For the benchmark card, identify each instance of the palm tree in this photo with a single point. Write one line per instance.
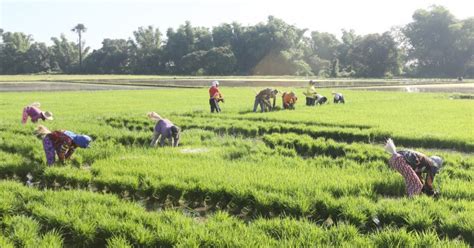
(79, 29)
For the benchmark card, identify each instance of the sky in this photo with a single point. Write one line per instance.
(44, 19)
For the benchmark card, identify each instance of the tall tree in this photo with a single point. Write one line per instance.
(65, 54)
(13, 52)
(146, 51)
(375, 55)
(440, 45)
(79, 29)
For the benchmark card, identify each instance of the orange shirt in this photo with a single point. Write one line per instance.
(289, 98)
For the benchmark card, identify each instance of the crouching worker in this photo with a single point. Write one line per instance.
(310, 94)
(289, 100)
(411, 165)
(34, 112)
(164, 129)
(63, 143)
(338, 98)
(320, 99)
(215, 97)
(263, 99)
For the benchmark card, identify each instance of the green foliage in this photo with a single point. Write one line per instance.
(317, 176)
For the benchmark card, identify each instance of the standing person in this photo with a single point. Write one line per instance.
(164, 129)
(263, 99)
(63, 143)
(215, 97)
(338, 98)
(34, 112)
(320, 99)
(411, 165)
(289, 100)
(310, 93)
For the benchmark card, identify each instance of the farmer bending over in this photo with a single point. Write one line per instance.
(310, 93)
(289, 100)
(338, 98)
(320, 99)
(263, 99)
(32, 111)
(215, 97)
(411, 165)
(63, 143)
(164, 129)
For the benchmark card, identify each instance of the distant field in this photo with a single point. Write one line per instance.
(230, 81)
(314, 176)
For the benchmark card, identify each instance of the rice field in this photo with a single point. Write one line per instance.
(314, 176)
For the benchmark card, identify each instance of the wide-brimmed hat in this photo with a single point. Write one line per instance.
(48, 115)
(154, 116)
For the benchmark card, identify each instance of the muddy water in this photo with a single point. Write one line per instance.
(463, 88)
(467, 88)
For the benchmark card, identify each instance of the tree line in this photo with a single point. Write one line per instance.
(434, 44)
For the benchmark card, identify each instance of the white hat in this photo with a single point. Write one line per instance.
(438, 163)
(48, 115)
(154, 116)
(215, 83)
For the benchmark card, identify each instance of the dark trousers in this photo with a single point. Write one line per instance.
(322, 100)
(214, 105)
(310, 101)
(340, 100)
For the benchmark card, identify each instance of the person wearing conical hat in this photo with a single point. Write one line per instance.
(412, 165)
(61, 143)
(34, 112)
(164, 129)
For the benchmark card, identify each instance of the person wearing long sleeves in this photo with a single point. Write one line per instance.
(61, 143)
(263, 99)
(310, 93)
(215, 97)
(164, 130)
(35, 114)
(289, 100)
(338, 97)
(412, 165)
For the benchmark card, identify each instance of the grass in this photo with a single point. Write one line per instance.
(316, 176)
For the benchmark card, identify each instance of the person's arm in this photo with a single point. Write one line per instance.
(62, 151)
(24, 117)
(428, 182)
(70, 152)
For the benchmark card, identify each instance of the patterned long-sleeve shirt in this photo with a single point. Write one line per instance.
(34, 113)
(63, 144)
(420, 163)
